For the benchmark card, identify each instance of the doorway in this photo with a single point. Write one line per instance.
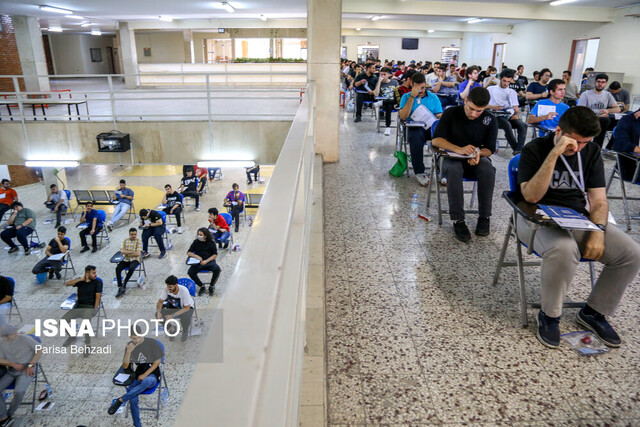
(110, 63)
(217, 50)
(367, 51)
(499, 50)
(584, 53)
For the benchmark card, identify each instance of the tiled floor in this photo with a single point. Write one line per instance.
(418, 335)
(82, 388)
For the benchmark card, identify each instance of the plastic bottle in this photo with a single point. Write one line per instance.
(414, 206)
(250, 221)
(164, 396)
(49, 391)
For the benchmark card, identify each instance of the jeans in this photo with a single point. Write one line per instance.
(8, 234)
(508, 127)
(417, 137)
(94, 236)
(61, 209)
(22, 381)
(484, 172)
(157, 233)
(45, 265)
(255, 171)
(561, 252)
(82, 312)
(4, 311)
(177, 212)
(360, 98)
(221, 236)
(235, 211)
(211, 266)
(133, 391)
(193, 194)
(119, 210)
(131, 266)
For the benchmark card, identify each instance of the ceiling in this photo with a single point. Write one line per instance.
(104, 14)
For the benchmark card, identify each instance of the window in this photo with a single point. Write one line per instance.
(253, 48)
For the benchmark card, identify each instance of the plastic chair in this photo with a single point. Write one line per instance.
(39, 378)
(171, 218)
(104, 233)
(155, 388)
(165, 236)
(512, 231)
(71, 301)
(53, 214)
(229, 219)
(215, 173)
(616, 174)
(191, 287)
(13, 302)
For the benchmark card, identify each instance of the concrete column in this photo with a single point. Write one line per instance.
(49, 177)
(187, 37)
(129, 55)
(324, 25)
(31, 51)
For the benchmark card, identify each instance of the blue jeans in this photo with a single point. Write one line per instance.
(119, 210)
(221, 236)
(157, 233)
(133, 391)
(4, 311)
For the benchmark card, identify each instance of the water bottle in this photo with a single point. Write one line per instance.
(250, 221)
(414, 206)
(49, 391)
(164, 396)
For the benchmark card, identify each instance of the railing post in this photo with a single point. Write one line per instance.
(208, 88)
(113, 102)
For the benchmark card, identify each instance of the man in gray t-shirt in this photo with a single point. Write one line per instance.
(385, 88)
(602, 103)
(18, 353)
(622, 96)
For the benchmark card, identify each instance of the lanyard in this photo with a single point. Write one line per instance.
(579, 182)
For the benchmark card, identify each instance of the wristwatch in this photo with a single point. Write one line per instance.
(602, 227)
(29, 365)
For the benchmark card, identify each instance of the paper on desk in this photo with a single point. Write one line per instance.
(121, 378)
(367, 88)
(619, 116)
(193, 261)
(454, 155)
(543, 110)
(422, 114)
(49, 405)
(568, 218)
(56, 257)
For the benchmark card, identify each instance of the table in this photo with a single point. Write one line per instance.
(46, 101)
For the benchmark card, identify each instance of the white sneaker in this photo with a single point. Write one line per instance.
(387, 132)
(179, 230)
(423, 179)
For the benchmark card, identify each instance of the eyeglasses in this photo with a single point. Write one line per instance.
(546, 75)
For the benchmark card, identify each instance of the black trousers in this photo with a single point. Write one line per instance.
(131, 265)
(61, 209)
(509, 126)
(360, 98)
(484, 172)
(235, 211)
(184, 318)
(3, 208)
(82, 312)
(45, 264)
(211, 266)
(177, 212)
(604, 126)
(387, 107)
(193, 194)
(84, 233)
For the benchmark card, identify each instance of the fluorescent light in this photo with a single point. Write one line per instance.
(51, 163)
(474, 21)
(55, 29)
(74, 17)
(226, 6)
(375, 18)
(56, 10)
(86, 24)
(430, 31)
(560, 2)
(226, 163)
(358, 29)
(165, 18)
(96, 32)
(264, 18)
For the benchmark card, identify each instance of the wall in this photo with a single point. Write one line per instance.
(166, 47)
(548, 44)
(22, 175)
(71, 53)
(9, 58)
(429, 48)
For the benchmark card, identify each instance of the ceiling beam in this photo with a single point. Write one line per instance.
(424, 26)
(217, 23)
(480, 10)
(402, 33)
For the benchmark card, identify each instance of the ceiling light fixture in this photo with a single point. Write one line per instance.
(165, 18)
(264, 18)
(51, 163)
(55, 29)
(474, 21)
(430, 31)
(226, 163)
(358, 29)
(375, 18)
(96, 32)
(74, 17)
(561, 2)
(226, 6)
(86, 24)
(56, 10)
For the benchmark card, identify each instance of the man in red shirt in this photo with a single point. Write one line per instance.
(219, 228)
(7, 196)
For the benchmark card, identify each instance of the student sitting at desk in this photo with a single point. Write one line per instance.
(90, 216)
(172, 201)
(203, 250)
(547, 112)
(57, 202)
(506, 108)
(189, 187)
(386, 88)
(123, 198)
(565, 169)
(626, 139)
(131, 249)
(21, 223)
(364, 84)
(87, 302)
(56, 246)
(235, 203)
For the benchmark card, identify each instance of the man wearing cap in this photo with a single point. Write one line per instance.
(18, 354)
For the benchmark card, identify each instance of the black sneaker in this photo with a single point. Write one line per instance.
(357, 119)
(94, 249)
(226, 245)
(13, 250)
(237, 228)
(220, 245)
(58, 276)
(162, 254)
(84, 249)
(184, 337)
(202, 291)
(483, 227)
(27, 251)
(114, 406)
(51, 274)
(56, 226)
(211, 289)
(121, 292)
(597, 324)
(461, 231)
(548, 332)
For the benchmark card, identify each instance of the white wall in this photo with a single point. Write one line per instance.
(542, 44)
(4, 172)
(429, 48)
(71, 54)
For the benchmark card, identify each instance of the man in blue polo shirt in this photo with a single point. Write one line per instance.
(553, 108)
(123, 200)
(90, 216)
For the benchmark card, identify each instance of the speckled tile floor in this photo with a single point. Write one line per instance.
(82, 388)
(418, 335)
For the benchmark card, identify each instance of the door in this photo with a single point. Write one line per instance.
(584, 53)
(110, 63)
(498, 55)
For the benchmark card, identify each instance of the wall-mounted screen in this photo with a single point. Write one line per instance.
(410, 44)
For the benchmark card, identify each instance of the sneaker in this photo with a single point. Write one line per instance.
(197, 208)
(94, 249)
(69, 341)
(163, 254)
(220, 245)
(387, 132)
(357, 119)
(443, 182)
(51, 274)
(483, 227)
(114, 406)
(237, 228)
(110, 226)
(211, 289)
(27, 251)
(249, 182)
(184, 337)
(121, 292)
(597, 324)
(548, 332)
(84, 249)
(179, 230)
(226, 245)
(202, 291)
(144, 254)
(461, 231)
(56, 226)
(423, 179)
(13, 250)
(58, 275)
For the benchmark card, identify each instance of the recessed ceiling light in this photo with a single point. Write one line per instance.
(86, 24)
(264, 18)
(165, 18)
(226, 6)
(474, 21)
(55, 29)
(375, 18)
(358, 29)
(430, 31)
(560, 2)
(74, 17)
(96, 32)
(56, 10)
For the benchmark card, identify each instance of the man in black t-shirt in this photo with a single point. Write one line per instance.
(56, 246)
(152, 225)
(189, 187)
(6, 295)
(364, 84)
(173, 203)
(468, 130)
(87, 301)
(147, 354)
(565, 169)
(204, 250)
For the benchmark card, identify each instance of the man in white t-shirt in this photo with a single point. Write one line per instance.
(505, 106)
(175, 302)
(602, 103)
(58, 202)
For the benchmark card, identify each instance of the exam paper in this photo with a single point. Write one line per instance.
(543, 110)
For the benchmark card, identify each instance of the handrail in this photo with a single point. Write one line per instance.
(258, 381)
